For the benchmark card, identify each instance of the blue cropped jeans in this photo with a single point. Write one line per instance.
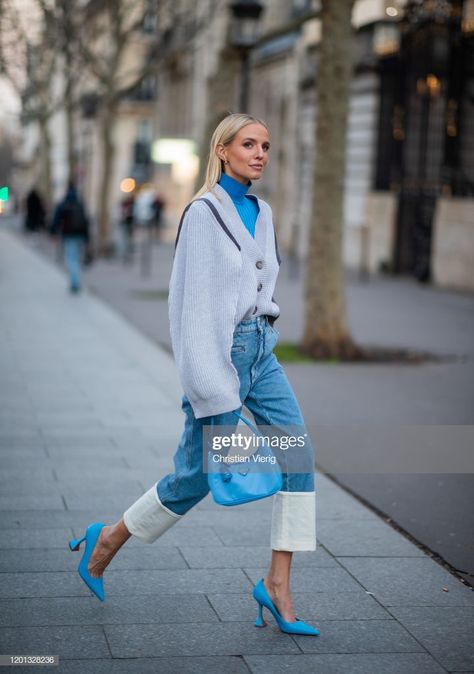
(267, 393)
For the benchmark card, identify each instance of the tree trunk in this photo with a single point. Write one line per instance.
(45, 179)
(326, 332)
(71, 156)
(108, 154)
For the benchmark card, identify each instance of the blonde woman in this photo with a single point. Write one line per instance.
(222, 313)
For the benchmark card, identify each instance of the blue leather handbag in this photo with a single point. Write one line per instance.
(240, 482)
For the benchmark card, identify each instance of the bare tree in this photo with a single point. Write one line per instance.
(28, 59)
(121, 56)
(326, 332)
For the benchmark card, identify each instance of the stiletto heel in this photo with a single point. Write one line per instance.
(262, 597)
(90, 537)
(260, 622)
(74, 545)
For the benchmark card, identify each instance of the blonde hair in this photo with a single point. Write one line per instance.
(224, 134)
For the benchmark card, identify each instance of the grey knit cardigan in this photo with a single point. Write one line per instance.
(221, 275)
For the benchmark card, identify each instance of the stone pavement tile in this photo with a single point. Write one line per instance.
(62, 435)
(29, 539)
(70, 443)
(364, 538)
(55, 584)
(47, 519)
(11, 425)
(82, 641)
(253, 508)
(311, 606)
(380, 663)
(257, 534)
(62, 416)
(59, 406)
(359, 636)
(127, 641)
(309, 580)
(228, 518)
(225, 557)
(41, 473)
(230, 664)
(180, 535)
(110, 472)
(31, 502)
(446, 632)
(408, 582)
(12, 462)
(85, 450)
(62, 559)
(107, 496)
(20, 453)
(19, 436)
(151, 608)
(175, 582)
(29, 483)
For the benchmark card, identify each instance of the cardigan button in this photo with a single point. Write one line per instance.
(259, 287)
(259, 264)
(255, 310)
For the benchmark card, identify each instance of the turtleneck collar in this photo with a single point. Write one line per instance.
(234, 189)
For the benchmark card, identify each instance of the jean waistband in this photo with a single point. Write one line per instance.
(250, 324)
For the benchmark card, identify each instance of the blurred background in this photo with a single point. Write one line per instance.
(122, 96)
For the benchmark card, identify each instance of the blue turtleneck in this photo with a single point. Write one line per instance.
(246, 205)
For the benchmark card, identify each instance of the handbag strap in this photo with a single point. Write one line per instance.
(246, 421)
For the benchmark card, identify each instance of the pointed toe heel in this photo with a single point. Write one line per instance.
(262, 598)
(96, 585)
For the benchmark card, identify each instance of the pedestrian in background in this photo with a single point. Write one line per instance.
(71, 224)
(222, 312)
(35, 216)
(127, 220)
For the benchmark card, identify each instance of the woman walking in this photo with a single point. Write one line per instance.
(222, 311)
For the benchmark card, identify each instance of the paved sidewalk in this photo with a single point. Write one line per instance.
(90, 416)
(434, 508)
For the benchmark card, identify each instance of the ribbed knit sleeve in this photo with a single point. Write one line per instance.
(204, 290)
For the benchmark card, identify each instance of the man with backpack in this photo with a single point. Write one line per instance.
(71, 223)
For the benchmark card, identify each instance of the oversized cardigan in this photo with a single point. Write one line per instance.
(221, 275)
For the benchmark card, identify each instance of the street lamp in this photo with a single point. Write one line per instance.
(244, 33)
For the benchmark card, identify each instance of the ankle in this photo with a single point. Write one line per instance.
(116, 534)
(277, 584)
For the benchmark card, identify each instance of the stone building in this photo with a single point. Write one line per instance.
(409, 172)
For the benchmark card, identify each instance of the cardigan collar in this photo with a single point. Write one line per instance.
(223, 202)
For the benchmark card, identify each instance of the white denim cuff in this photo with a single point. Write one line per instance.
(294, 521)
(148, 518)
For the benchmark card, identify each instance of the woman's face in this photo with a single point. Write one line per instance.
(247, 154)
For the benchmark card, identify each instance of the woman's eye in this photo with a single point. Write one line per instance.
(248, 144)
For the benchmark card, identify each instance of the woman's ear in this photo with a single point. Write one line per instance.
(221, 152)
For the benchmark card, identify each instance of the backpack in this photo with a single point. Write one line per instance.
(73, 221)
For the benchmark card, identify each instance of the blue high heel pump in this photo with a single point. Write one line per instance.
(262, 598)
(90, 537)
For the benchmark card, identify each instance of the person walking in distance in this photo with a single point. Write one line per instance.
(71, 223)
(222, 314)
